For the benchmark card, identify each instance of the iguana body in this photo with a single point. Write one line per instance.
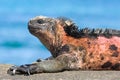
(73, 49)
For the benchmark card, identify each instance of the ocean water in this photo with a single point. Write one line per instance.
(18, 46)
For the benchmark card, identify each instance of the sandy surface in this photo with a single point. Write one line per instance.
(66, 75)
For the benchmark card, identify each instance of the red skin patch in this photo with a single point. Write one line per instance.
(98, 51)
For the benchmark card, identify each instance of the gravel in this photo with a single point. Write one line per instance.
(66, 75)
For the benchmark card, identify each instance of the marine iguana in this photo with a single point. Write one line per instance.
(72, 48)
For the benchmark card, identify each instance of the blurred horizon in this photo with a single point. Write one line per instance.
(18, 46)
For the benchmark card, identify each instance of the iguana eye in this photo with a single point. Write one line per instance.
(40, 21)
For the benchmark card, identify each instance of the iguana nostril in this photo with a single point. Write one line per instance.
(40, 21)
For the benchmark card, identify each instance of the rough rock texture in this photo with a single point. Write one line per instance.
(66, 75)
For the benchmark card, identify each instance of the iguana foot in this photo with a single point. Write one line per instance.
(26, 69)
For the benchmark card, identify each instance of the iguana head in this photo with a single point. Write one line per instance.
(43, 28)
(49, 31)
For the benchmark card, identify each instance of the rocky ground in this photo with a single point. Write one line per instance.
(66, 75)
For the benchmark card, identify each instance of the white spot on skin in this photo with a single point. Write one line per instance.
(68, 23)
(38, 17)
(14, 71)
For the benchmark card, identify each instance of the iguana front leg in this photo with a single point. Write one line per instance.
(39, 67)
(62, 62)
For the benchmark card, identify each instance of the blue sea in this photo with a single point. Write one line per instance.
(18, 46)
